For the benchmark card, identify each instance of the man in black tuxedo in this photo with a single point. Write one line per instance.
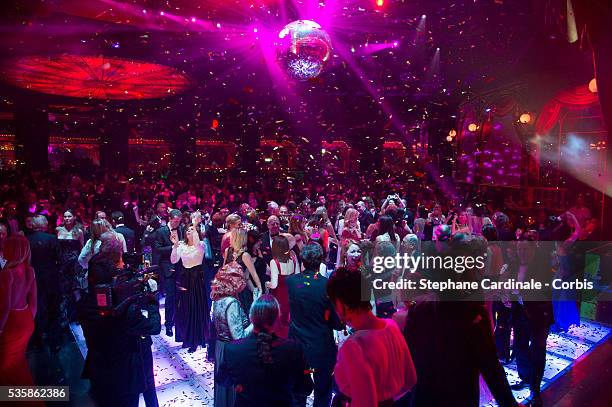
(365, 216)
(274, 226)
(128, 234)
(313, 320)
(45, 262)
(162, 248)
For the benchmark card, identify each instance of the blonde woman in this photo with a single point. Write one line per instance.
(237, 252)
(460, 224)
(349, 227)
(92, 247)
(232, 221)
(349, 255)
(118, 236)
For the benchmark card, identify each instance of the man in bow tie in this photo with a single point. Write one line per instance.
(162, 245)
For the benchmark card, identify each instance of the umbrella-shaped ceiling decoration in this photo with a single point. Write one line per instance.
(95, 77)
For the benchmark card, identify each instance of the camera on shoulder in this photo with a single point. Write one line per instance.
(126, 288)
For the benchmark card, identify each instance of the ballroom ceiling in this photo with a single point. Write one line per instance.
(403, 60)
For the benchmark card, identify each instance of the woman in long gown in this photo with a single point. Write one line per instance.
(282, 266)
(17, 311)
(231, 323)
(191, 307)
(70, 242)
(237, 252)
(254, 249)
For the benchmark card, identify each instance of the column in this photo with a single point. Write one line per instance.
(32, 136)
(114, 138)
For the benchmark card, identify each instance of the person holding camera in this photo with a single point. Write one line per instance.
(392, 200)
(119, 362)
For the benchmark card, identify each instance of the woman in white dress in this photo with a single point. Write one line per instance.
(191, 304)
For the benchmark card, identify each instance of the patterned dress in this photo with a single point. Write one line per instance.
(231, 323)
(71, 276)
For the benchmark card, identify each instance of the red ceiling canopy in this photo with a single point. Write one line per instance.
(95, 77)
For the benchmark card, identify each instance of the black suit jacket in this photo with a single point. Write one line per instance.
(129, 235)
(365, 220)
(266, 247)
(270, 385)
(162, 245)
(451, 344)
(162, 248)
(148, 239)
(44, 260)
(313, 318)
(214, 237)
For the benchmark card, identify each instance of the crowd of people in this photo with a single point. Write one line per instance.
(270, 282)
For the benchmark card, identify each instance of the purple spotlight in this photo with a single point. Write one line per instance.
(193, 19)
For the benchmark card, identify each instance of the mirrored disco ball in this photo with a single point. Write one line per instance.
(303, 49)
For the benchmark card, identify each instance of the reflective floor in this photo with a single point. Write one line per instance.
(184, 378)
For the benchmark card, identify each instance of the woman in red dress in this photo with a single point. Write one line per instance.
(17, 311)
(282, 266)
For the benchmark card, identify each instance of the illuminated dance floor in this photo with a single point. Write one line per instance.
(186, 379)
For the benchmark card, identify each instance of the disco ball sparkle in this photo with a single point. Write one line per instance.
(303, 49)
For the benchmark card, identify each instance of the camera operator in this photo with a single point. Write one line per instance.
(119, 361)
